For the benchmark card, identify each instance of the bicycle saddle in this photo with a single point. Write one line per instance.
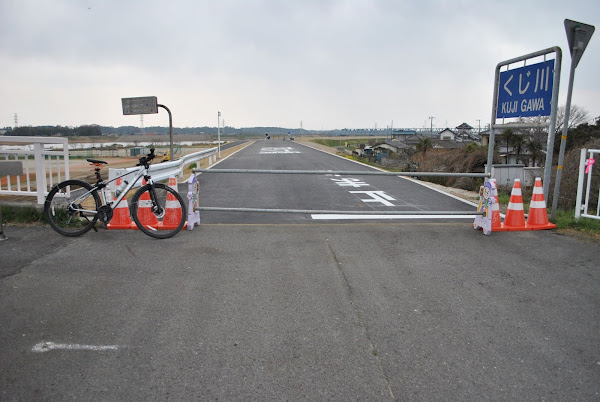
(96, 162)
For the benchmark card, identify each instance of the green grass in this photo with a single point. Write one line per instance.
(566, 220)
(22, 214)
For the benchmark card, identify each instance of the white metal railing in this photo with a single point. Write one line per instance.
(49, 166)
(586, 167)
(43, 168)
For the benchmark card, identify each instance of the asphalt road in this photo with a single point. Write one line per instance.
(309, 192)
(395, 310)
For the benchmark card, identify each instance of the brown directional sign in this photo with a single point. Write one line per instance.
(140, 105)
(578, 36)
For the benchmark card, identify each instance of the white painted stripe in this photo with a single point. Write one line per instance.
(515, 207)
(172, 204)
(366, 217)
(537, 204)
(145, 204)
(47, 346)
(516, 191)
(538, 190)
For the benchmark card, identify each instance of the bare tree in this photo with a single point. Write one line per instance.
(578, 115)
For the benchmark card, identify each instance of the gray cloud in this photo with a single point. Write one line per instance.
(328, 63)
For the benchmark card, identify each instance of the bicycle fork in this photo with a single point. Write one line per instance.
(156, 209)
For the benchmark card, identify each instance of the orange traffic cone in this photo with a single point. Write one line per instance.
(120, 219)
(144, 213)
(173, 212)
(538, 216)
(515, 216)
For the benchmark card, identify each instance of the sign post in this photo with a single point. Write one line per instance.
(528, 91)
(147, 105)
(578, 36)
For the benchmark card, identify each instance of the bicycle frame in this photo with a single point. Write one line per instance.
(101, 185)
(143, 172)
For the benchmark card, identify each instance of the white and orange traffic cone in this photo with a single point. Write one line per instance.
(120, 218)
(144, 212)
(515, 215)
(537, 219)
(173, 212)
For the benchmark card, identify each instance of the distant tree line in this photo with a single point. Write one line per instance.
(48, 131)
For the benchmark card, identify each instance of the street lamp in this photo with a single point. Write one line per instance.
(219, 133)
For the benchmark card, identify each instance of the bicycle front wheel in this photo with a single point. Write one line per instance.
(71, 207)
(159, 214)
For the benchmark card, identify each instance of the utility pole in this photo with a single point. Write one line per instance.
(431, 126)
(16, 121)
(219, 132)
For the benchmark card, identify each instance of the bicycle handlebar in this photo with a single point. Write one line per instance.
(144, 160)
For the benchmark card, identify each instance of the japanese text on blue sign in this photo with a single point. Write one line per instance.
(526, 91)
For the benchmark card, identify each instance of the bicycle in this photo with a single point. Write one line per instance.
(74, 206)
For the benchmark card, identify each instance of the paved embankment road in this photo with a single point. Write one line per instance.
(311, 192)
(407, 311)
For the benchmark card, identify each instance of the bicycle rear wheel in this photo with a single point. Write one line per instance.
(163, 220)
(71, 207)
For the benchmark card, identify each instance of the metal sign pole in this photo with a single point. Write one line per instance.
(170, 130)
(517, 101)
(552, 128)
(578, 36)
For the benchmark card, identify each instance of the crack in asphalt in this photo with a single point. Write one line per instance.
(350, 293)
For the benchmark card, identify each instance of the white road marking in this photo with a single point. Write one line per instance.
(416, 216)
(48, 346)
(278, 150)
(376, 196)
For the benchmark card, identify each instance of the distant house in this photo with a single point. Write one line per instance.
(464, 131)
(393, 146)
(400, 134)
(447, 135)
(446, 144)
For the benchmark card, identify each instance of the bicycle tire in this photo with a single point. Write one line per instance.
(59, 212)
(166, 222)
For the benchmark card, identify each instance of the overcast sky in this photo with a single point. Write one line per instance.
(326, 63)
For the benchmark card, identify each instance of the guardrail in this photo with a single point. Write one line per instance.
(50, 166)
(165, 170)
(586, 167)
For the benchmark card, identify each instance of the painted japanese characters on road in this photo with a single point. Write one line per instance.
(374, 196)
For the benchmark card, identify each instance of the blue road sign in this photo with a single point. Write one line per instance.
(526, 91)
